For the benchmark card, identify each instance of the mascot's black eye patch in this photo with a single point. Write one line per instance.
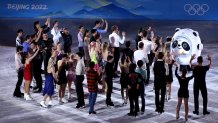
(195, 34)
(185, 46)
(175, 43)
(198, 46)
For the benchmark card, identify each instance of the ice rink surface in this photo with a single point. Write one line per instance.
(20, 111)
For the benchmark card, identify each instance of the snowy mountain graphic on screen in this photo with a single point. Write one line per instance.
(56, 14)
(108, 11)
(139, 10)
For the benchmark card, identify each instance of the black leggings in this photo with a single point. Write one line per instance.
(109, 90)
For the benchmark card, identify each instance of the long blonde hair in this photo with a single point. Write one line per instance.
(105, 46)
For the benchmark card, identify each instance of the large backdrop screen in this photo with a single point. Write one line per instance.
(111, 9)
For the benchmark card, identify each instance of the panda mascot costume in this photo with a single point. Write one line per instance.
(185, 43)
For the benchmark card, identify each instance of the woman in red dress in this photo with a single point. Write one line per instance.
(28, 74)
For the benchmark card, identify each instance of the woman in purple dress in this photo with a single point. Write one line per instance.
(71, 76)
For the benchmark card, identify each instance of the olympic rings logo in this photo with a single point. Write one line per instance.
(196, 9)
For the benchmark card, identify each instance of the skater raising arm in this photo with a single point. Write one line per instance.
(209, 59)
(190, 63)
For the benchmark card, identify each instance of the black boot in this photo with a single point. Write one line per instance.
(196, 112)
(206, 112)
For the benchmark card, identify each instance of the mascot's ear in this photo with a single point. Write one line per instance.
(200, 46)
(195, 33)
(177, 29)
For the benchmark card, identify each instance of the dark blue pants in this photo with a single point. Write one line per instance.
(142, 94)
(92, 100)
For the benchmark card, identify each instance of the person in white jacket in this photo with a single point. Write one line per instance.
(115, 41)
(56, 32)
(148, 47)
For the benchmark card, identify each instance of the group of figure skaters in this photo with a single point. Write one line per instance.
(98, 61)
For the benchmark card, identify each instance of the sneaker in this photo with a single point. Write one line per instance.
(60, 101)
(50, 103)
(28, 98)
(64, 100)
(42, 104)
(25, 96)
(69, 96)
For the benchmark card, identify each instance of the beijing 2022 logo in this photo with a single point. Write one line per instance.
(196, 9)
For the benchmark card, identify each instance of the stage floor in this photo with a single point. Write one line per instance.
(20, 111)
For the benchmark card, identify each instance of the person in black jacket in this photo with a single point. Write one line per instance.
(109, 79)
(37, 64)
(138, 37)
(46, 45)
(128, 51)
(183, 91)
(199, 72)
(67, 40)
(44, 28)
(133, 79)
(160, 73)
